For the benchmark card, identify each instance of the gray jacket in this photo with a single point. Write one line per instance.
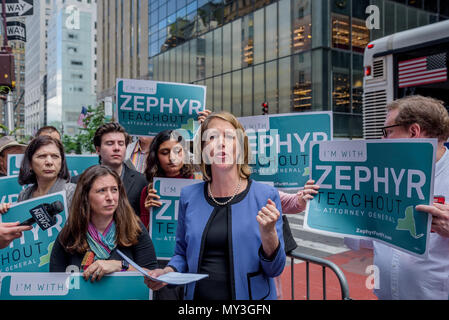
(59, 185)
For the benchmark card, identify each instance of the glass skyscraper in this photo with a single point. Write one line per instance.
(298, 55)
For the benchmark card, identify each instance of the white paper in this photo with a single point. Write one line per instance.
(175, 278)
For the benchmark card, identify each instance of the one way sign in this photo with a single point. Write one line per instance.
(16, 30)
(18, 8)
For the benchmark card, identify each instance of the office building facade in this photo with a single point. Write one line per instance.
(71, 66)
(297, 55)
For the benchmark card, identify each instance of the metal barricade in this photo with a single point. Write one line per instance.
(324, 264)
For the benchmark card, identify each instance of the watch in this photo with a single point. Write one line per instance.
(125, 265)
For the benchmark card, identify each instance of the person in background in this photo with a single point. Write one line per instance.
(137, 153)
(229, 226)
(165, 159)
(101, 221)
(110, 141)
(49, 131)
(401, 275)
(44, 168)
(8, 146)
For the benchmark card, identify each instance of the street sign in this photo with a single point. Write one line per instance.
(16, 30)
(18, 8)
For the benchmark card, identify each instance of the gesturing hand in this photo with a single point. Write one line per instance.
(267, 218)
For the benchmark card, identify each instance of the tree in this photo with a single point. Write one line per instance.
(83, 141)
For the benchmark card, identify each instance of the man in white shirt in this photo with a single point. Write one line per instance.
(401, 275)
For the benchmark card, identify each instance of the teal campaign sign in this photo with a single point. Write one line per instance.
(67, 286)
(164, 220)
(146, 107)
(369, 190)
(76, 163)
(31, 252)
(9, 189)
(280, 145)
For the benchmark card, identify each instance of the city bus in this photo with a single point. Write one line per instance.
(402, 64)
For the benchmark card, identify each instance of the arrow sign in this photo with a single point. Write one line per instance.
(18, 8)
(16, 30)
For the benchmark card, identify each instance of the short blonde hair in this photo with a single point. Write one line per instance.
(429, 113)
(242, 166)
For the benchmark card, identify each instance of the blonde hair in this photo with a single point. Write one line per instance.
(243, 159)
(429, 113)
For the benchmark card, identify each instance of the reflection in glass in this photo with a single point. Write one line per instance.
(248, 40)
(247, 92)
(302, 26)
(272, 86)
(360, 35)
(217, 94)
(341, 93)
(271, 25)
(340, 31)
(285, 28)
(227, 92)
(284, 85)
(236, 94)
(302, 86)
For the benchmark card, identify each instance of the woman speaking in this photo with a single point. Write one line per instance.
(229, 227)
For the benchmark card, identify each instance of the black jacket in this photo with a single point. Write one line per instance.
(142, 253)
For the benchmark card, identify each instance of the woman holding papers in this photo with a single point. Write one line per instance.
(44, 168)
(229, 227)
(101, 220)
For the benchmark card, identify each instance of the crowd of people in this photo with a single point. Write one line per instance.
(229, 226)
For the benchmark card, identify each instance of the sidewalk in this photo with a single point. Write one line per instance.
(352, 263)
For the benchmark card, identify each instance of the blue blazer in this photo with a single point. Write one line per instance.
(251, 273)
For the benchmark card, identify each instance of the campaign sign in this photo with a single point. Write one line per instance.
(31, 252)
(72, 286)
(147, 107)
(164, 220)
(369, 190)
(280, 145)
(75, 162)
(9, 189)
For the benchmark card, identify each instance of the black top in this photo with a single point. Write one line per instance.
(216, 256)
(142, 253)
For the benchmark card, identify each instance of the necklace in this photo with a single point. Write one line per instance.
(227, 201)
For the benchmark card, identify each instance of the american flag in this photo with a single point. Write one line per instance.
(83, 115)
(425, 70)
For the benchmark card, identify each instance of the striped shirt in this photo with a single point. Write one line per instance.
(138, 158)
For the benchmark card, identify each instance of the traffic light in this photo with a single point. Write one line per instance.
(265, 107)
(7, 78)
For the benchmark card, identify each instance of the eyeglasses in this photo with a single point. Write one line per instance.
(384, 129)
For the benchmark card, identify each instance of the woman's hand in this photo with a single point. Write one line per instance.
(152, 199)
(4, 207)
(155, 285)
(267, 218)
(10, 231)
(202, 115)
(99, 268)
(308, 193)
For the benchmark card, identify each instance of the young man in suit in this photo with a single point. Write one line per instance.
(110, 141)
